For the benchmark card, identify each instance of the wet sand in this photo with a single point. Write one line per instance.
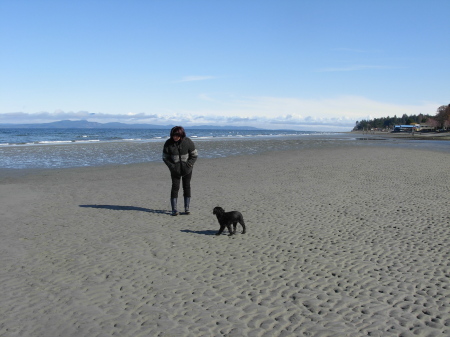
(341, 241)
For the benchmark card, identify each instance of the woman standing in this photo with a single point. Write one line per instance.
(179, 154)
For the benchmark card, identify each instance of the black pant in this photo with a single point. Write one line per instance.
(186, 186)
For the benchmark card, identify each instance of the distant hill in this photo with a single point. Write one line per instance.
(84, 124)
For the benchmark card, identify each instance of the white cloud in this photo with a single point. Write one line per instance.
(45, 117)
(355, 67)
(206, 97)
(356, 50)
(341, 107)
(195, 78)
(333, 113)
(351, 50)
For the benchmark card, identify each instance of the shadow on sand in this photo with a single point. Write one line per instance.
(206, 232)
(127, 208)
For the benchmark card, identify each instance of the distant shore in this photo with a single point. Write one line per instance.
(407, 135)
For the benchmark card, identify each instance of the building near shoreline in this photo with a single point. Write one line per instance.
(413, 128)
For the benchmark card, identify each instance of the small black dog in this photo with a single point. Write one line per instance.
(228, 218)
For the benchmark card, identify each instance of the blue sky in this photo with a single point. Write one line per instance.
(305, 65)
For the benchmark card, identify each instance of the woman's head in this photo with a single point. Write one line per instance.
(177, 132)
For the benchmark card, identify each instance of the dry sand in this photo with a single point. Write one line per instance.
(340, 242)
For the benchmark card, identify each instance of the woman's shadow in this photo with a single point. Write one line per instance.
(127, 208)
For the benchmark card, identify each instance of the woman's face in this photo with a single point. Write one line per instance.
(176, 138)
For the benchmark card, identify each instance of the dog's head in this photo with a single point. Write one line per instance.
(218, 210)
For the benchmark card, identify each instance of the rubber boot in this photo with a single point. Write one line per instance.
(187, 201)
(173, 203)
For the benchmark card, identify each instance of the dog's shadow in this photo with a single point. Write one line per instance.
(127, 208)
(205, 232)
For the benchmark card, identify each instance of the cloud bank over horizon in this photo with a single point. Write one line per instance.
(288, 121)
(339, 114)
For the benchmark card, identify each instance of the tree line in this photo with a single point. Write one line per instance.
(439, 121)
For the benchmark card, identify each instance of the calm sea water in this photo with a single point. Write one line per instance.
(63, 148)
(15, 137)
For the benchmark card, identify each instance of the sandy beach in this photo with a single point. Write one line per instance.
(341, 241)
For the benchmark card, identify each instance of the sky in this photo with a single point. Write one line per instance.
(306, 65)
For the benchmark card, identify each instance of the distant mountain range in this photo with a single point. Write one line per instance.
(84, 124)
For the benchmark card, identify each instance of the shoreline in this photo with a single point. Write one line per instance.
(19, 161)
(342, 240)
(407, 135)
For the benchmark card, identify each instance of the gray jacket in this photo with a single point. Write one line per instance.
(173, 151)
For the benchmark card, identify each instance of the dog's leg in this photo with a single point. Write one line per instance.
(222, 227)
(229, 230)
(234, 227)
(243, 226)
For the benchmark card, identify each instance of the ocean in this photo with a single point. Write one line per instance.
(64, 148)
(32, 136)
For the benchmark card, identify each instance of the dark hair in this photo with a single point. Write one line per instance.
(178, 131)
